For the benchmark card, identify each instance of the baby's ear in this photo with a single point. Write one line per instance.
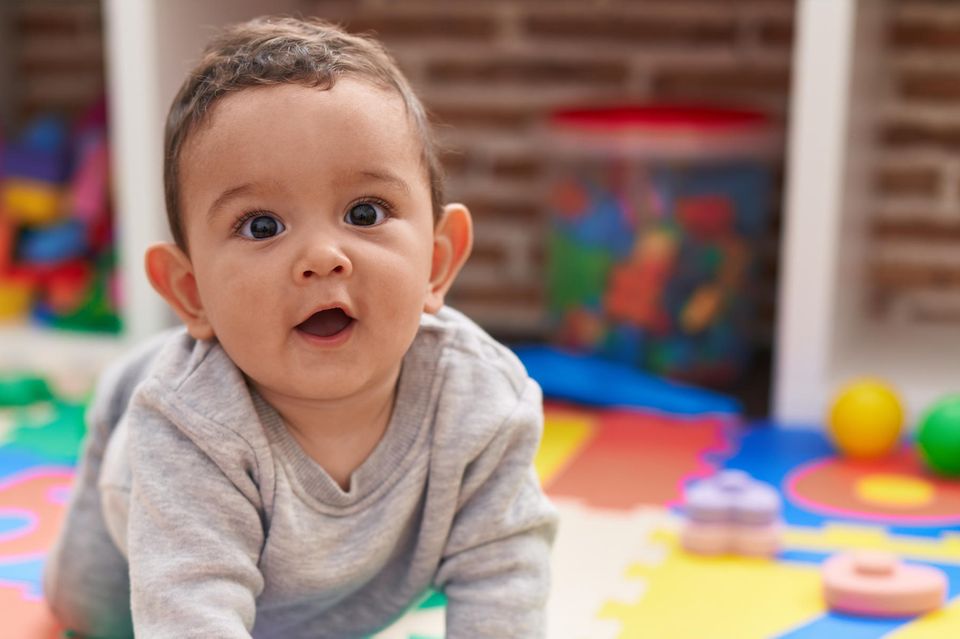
(171, 274)
(452, 241)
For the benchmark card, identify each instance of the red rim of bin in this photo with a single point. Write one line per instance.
(661, 118)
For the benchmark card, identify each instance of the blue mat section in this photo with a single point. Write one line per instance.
(27, 573)
(771, 453)
(598, 382)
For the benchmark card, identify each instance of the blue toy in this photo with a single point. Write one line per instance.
(52, 244)
(599, 382)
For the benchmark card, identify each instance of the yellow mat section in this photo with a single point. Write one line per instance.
(563, 437)
(837, 537)
(935, 625)
(741, 597)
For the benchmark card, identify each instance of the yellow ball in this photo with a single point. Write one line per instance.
(866, 419)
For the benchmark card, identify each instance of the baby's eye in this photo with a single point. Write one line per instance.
(366, 214)
(261, 227)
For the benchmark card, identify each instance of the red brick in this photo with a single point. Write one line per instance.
(538, 256)
(428, 26)
(454, 161)
(699, 82)
(935, 86)
(488, 254)
(902, 277)
(499, 117)
(52, 65)
(919, 229)
(910, 34)
(776, 33)
(529, 72)
(529, 211)
(907, 181)
(635, 30)
(518, 168)
(79, 17)
(936, 315)
(906, 134)
(505, 294)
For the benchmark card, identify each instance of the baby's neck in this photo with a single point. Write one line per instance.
(339, 435)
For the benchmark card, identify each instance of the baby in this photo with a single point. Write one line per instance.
(323, 441)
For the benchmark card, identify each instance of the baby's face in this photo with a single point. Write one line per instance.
(309, 222)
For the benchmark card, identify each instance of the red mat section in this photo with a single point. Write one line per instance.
(639, 458)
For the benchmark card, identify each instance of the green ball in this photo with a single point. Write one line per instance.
(938, 436)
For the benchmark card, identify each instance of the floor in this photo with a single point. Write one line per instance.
(616, 477)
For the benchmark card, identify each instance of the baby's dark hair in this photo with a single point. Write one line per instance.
(283, 50)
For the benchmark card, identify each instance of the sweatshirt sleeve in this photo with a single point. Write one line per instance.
(496, 566)
(194, 530)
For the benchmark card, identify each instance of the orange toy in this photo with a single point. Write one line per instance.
(878, 584)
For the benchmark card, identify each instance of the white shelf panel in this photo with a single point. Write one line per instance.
(57, 353)
(922, 364)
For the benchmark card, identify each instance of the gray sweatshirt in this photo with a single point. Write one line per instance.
(231, 530)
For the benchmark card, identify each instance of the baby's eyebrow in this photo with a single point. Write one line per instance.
(387, 176)
(226, 196)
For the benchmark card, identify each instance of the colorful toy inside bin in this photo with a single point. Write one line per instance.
(655, 213)
(57, 259)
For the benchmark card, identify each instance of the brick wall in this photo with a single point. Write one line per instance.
(490, 71)
(54, 57)
(915, 223)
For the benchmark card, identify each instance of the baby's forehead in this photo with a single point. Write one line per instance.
(351, 115)
(288, 134)
(358, 99)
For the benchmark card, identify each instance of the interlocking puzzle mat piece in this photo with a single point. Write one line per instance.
(424, 621)
(38, 447)
(895, 491)
(566, 433)
(47, 432)
(839, 536)
(636, 458)
(26, 617)
(592, 549)
(820, 487)
(617, 562)
(32, 502)
(690, 596)
(938, 625)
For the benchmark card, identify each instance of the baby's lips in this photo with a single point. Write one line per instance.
(326, 323)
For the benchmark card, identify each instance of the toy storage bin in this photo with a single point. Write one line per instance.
(654, 216)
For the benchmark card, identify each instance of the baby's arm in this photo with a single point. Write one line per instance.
(496, 566)
(194, 532)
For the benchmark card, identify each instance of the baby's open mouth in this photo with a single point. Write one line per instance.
(326, 323)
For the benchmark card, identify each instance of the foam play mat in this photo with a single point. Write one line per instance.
(616, 477)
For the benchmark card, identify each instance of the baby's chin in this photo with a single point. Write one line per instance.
(318, 385)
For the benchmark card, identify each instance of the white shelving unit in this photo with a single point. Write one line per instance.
(824, 337)
(149, 45)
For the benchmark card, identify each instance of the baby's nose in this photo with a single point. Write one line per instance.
(321, 259)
